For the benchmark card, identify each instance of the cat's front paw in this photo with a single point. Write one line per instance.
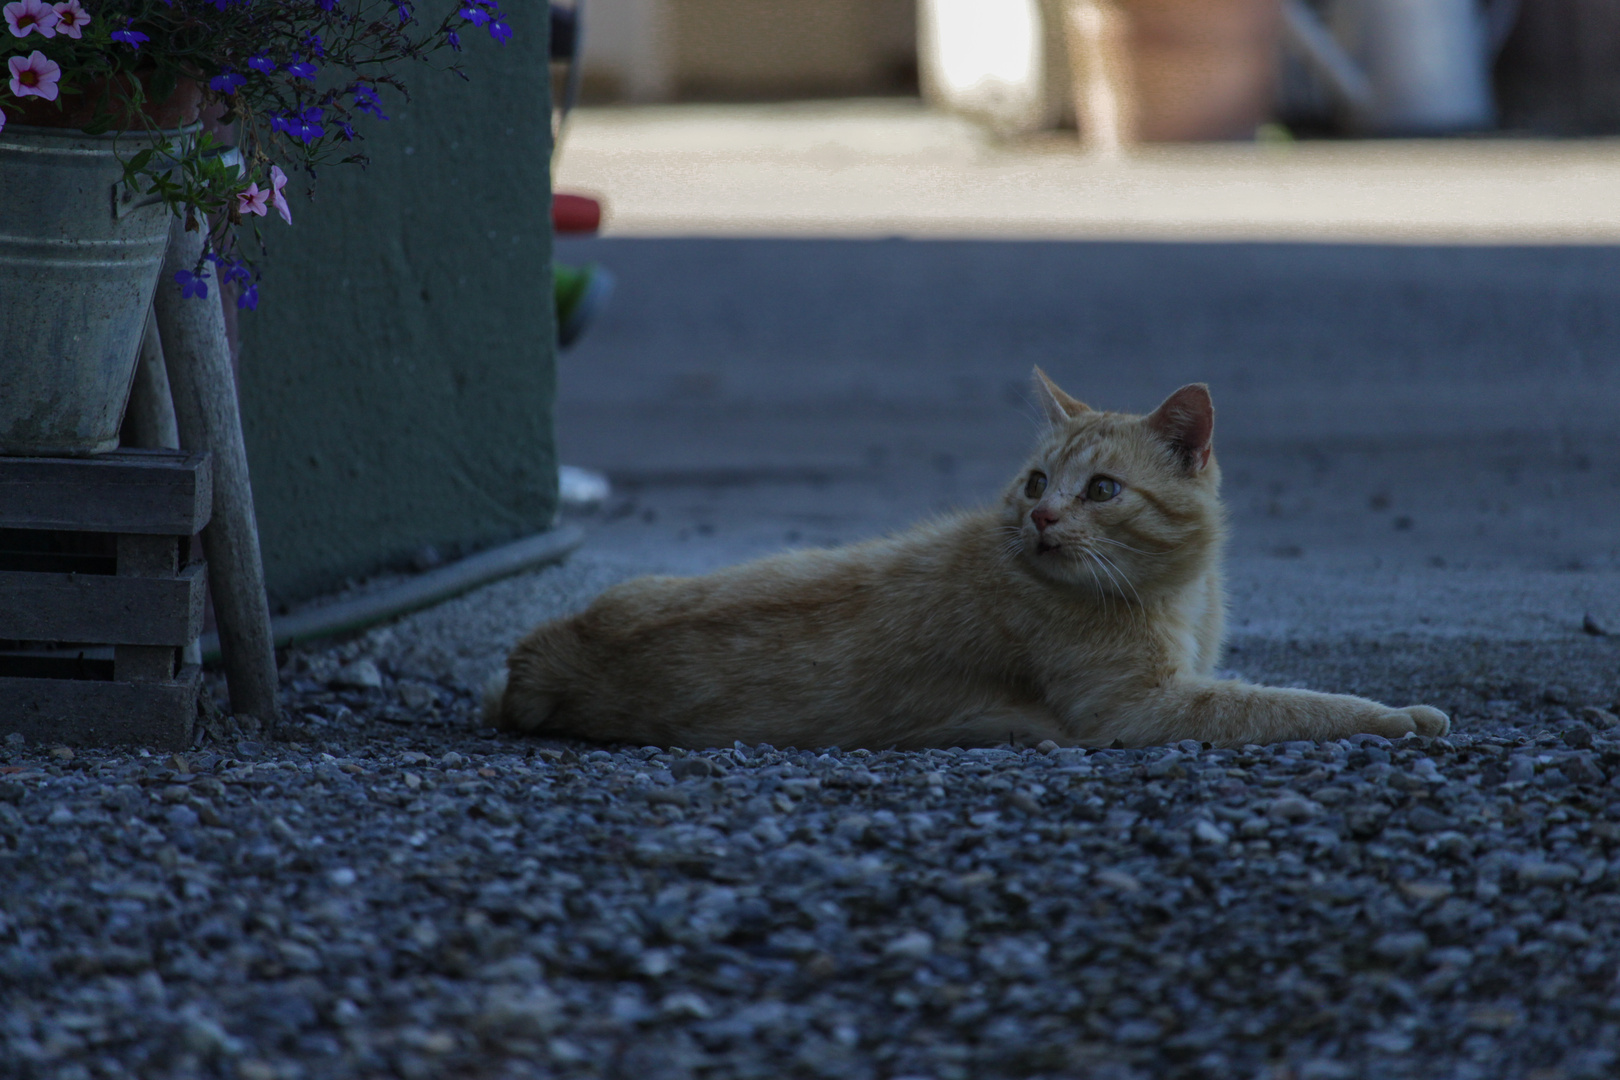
(1427, 720)
(1418, 719)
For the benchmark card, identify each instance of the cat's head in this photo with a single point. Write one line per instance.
(1124, 505)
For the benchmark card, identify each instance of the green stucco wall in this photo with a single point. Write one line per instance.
(397, 380)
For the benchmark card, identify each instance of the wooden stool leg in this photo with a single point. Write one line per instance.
(149, 421)
(199, 366)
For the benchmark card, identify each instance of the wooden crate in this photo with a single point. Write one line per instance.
(100, 593)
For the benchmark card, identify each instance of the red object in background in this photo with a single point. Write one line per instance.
(575, 214)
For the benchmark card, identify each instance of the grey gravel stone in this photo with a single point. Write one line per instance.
(390, 890)
(1536, 871)
(692, 768)
(1405, 945)
(911, 945)
(357, 675)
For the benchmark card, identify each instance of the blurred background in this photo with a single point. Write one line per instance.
(1384, 231)
(1544, 66)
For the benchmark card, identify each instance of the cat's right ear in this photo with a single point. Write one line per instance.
(1055, 404)
(1186, 420)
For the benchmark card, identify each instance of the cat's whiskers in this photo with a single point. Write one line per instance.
(1096, 581)
(1123, 576)
(1135, 614)
(1098, 573)
(1009, 548)
(1139, 551)
(1116, 593)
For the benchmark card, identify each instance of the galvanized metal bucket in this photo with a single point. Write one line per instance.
(79, 259)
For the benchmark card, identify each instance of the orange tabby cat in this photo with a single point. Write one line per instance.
(1087, 608)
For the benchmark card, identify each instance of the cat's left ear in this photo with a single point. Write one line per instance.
(1186, 421)
(1057, 405)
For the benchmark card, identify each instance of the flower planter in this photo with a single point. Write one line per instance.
(1171, 70)
(78, 264)
(1204, 68)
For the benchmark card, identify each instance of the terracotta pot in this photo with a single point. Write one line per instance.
(77, 110)
(1172, 70)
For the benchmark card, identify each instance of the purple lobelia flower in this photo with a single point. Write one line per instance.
(305, 127)
(191, 284)
(132, 38)
(302, 69)
(366, 100)
(227, 81)
(262, 63)
(499, 29)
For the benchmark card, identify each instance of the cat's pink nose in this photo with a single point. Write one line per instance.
(1043, 516)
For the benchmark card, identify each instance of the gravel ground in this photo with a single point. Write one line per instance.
(389, 889)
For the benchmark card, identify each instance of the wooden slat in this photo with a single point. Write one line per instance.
(146, 557)
(157, 492)
(102, 608)
(159, 715)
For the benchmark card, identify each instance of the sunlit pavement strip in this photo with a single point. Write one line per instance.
(874, 168)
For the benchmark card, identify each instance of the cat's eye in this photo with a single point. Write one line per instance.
(1036, 485)
(1101, 489)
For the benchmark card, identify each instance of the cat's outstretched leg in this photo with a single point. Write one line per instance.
(541, 666)
(1230, 713)
(523, 713)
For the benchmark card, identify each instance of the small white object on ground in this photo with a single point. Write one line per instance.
(581, 487)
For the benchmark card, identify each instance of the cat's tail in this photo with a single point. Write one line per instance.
(524, 697)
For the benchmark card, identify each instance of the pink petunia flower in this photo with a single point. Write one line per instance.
(71, 19)
(35, 76)
(253, 200)
(28, 16)
(278, 180)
